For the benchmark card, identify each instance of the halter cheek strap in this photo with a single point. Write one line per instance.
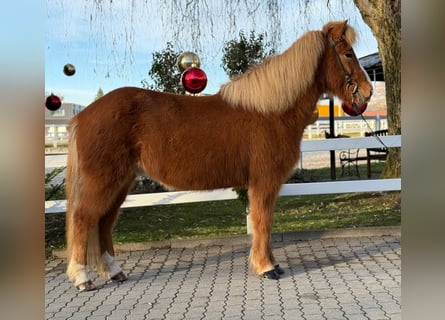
(349, 81)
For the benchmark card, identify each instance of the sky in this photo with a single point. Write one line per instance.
(111, 42)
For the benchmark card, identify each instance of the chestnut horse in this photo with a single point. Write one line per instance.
(247, 135)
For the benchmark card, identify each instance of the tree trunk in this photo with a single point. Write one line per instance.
(384, 19)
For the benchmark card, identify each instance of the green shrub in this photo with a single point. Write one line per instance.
(54, 191)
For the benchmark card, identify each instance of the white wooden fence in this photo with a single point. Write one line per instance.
(346, 125)
(152, 199)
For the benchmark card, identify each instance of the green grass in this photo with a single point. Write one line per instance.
(321, 212)
(191, 220)
(60, 145)
(222, 218)
(315, 212)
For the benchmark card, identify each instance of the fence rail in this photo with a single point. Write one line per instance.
(346, 125)
(152, 199)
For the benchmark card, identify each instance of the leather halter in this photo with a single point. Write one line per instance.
(349, 81)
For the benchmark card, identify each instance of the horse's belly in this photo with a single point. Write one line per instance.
(199, 171)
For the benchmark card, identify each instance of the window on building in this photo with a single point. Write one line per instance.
(77, 108)
(58, 113)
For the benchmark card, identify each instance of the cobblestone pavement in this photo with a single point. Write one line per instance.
(339, 278)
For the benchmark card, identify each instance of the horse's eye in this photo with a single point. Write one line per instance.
(349, 55)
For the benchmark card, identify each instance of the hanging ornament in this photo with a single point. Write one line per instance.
(194, 80)
(69, 69)
(188, 59)
(53, 102)
(353, 111)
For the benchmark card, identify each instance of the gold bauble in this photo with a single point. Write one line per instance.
(69, 69)
(188, 59)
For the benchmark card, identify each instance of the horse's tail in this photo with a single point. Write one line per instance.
(73, 194)
(72, 189)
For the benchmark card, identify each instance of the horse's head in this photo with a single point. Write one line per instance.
(345, 77)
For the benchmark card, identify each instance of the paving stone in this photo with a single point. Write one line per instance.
(138, 312)
(313, 316)
(178, 316)
(395, 316)
(357, 317)
(118, 315)
(312, 308)
(375, 313)
(233, 311)
(334, 314)
(392, 310)
(93, 318)
(351, 308)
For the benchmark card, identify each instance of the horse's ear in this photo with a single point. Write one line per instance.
(335, 30)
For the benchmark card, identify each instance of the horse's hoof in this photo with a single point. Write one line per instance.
(120, 277)
(278, 269)
(271, 274)
(86, 286)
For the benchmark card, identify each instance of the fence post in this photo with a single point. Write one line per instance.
(56, 135)
(248, 222)
(300, 161)
(377, 122)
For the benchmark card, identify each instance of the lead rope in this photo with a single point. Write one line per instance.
(375, 136)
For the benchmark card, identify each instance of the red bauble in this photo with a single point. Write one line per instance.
(350, 110)
(53, 102)
(194, 80)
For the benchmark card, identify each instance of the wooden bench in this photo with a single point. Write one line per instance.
(352, 157)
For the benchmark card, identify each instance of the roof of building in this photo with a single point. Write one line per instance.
(373, 66)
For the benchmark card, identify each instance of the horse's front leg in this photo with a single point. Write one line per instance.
(261, 211)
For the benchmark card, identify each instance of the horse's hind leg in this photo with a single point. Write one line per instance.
(89, 226)
(80, 229)
(261, 210)
(106, 225)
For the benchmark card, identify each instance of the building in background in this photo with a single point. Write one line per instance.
(56, 122)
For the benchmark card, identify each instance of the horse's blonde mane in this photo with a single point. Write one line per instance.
(276, 83)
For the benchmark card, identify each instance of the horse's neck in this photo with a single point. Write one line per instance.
(304, 106)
